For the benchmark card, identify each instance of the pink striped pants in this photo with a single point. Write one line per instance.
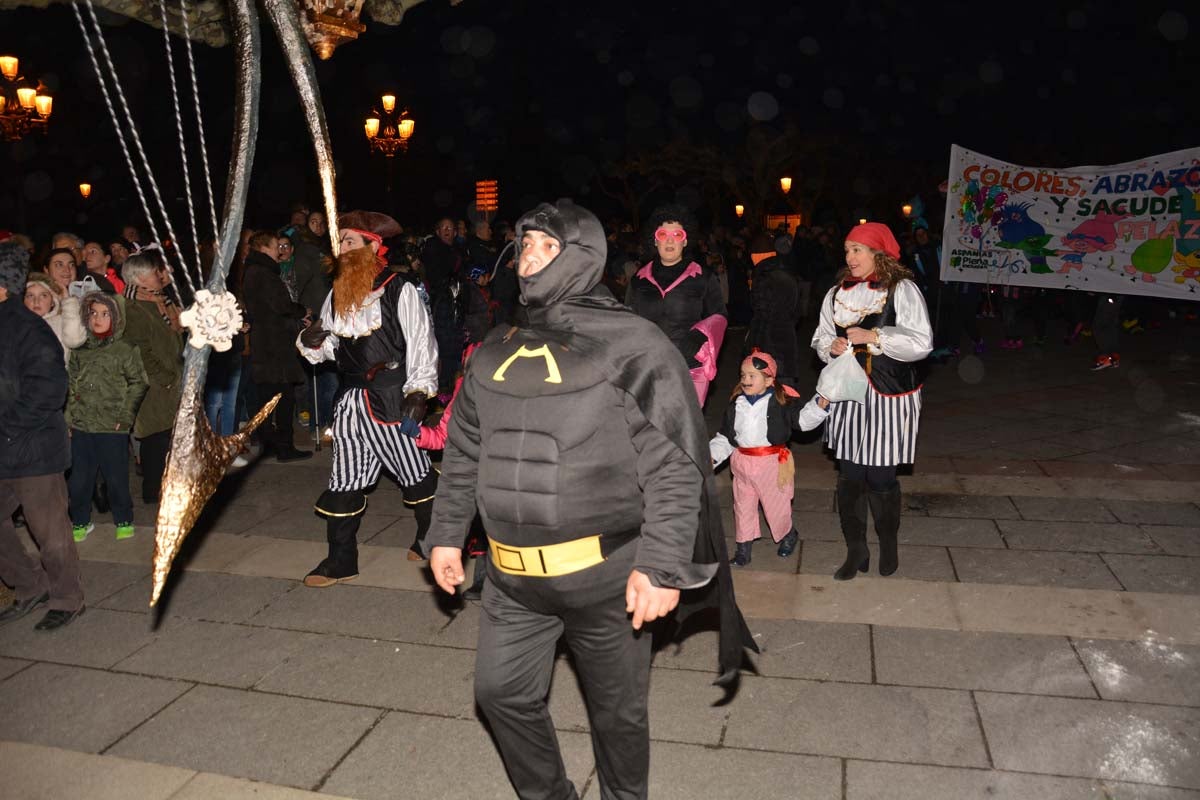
(756, 480)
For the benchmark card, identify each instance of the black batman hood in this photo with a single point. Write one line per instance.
(636, 356)
(580, 263)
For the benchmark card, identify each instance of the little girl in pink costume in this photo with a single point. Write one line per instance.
(754, 436)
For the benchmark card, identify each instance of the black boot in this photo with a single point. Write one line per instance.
(343, 511)
(424, 514)
(787, 545)
(852, 509)
(741, 556)
(885, 509)
(419, 497)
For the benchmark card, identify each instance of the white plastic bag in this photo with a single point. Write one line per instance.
(83, 287)
(843, 379)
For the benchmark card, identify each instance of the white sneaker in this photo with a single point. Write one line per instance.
(239, 461)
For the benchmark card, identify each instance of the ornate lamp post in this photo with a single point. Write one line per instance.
(739, 209)
(785, 183)
(85, 190)
(22, 107)
(389, 130)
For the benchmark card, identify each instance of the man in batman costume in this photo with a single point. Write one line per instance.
(578, 438)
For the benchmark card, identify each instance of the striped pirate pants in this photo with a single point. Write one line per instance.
(361, 447)
(882, 432)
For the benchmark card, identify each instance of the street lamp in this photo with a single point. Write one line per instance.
(389, 131)
(862, 220)
(785, 183)
(739, 209)
(22, 107)
(906, 210)
(85, 190)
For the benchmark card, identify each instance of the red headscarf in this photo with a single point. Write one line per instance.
(876, 236)
(769, 370)
(377, 239)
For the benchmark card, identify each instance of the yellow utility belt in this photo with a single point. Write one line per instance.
(549, 561)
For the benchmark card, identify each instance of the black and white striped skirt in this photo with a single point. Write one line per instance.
(879, 433)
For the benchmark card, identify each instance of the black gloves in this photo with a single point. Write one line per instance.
(312, 336)
(413, 406)
(692, 344)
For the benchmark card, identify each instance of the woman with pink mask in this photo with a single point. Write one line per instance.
(681, 297)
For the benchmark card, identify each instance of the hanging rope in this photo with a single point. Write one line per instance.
(187, 179)
(212, 206)
(137, 140)
(137, 184)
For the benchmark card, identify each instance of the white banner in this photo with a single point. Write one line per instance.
(1125, 229)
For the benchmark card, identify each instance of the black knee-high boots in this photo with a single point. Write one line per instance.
(885, 510)
(419, 497)
(852, 509)
(343, 512)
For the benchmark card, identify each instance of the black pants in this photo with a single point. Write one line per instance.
(107, 453)
(1106, 324)
(278, 429)
(878, 479)
(154, 462)
(512, 679)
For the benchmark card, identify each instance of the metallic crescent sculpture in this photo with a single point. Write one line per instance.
(198, 457)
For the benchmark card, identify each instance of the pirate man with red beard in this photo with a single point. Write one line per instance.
(375, 325)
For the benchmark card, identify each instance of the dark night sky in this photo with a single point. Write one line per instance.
(540, 95)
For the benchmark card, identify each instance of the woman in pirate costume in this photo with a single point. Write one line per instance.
(875, 308)
(375, 326)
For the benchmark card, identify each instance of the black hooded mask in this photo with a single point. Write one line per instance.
(577, 270)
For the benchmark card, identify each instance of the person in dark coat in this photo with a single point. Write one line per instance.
(506, 293)
(443, 262)
(681, 297)
(274, 367)
(776, 304)
(579, 441)
(34, 453)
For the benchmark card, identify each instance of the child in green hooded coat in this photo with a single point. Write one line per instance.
(107, 384)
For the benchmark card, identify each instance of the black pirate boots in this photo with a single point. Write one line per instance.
(343, 512)
(419, 497)
(852, 509)
(885, 510)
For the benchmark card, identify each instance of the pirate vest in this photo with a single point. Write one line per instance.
(887, 375)
(377, 362)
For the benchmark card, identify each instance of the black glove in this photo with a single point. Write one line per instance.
(312, 336)
(692, 343)
(413, 406)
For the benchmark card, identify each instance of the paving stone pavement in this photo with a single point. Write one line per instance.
(1041, 639)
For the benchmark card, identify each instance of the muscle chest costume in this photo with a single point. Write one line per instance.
(384, 348)
(577, 437)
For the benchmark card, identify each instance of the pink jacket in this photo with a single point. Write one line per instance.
(434, 437)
